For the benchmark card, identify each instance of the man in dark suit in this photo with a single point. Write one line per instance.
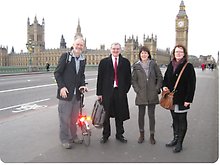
(113, 84)
(70, 78)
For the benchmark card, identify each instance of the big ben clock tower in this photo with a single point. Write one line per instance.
(182, 26)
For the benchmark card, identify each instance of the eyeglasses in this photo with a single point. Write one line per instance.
(179, 51)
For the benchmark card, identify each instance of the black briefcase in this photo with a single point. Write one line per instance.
(98, 114)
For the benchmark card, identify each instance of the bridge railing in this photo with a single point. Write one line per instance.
(18, 69)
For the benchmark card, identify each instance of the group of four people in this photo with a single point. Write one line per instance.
(113, 83)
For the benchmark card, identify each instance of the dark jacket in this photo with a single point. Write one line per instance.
(186, 87)
(147, 89)
(66, 76)
(105, 84)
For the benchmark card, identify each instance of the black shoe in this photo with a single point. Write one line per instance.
(177, 148)
(103, 140)
(172, 143)
(121, 139)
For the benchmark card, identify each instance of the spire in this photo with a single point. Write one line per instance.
(182, 11)
(182, 6)
(78, 30)
(12, 50)
(43, 22)
(62, 42)
(62, 38)
(35, 19)
(78, 27)
(28, 21)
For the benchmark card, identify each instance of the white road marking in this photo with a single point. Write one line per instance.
(92, 89)
(14, 106)
(28, 107)
(91, 79)
(33, 87)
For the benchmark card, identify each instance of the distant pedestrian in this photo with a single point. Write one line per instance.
(203, 66)
(212, 66)
(47, 66)
(183, 95)
(146, 81)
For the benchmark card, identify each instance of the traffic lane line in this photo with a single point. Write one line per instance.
(20, 89)
(33, 87)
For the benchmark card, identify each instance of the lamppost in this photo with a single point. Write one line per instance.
(30, 48)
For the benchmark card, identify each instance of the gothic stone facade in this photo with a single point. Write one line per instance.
(39, 56)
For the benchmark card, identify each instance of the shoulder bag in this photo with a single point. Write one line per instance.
(166, 100)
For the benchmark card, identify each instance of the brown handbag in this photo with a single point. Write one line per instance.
(166, 100)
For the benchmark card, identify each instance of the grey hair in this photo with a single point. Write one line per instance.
(115, 43)
(79, 38)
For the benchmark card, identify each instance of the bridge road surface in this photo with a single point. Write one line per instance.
(32, 136)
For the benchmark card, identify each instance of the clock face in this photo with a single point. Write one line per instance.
(180, 23)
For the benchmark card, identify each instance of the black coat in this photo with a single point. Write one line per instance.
(66, 76)
(186, 87)
(105, 84)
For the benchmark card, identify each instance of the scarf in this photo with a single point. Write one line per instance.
(145, 66)
(175, 64)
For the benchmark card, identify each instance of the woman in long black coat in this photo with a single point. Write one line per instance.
(114, 97)
(183, 95)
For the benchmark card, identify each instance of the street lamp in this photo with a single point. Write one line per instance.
(30, 48)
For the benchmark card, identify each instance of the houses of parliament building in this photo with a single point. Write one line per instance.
(37, 55)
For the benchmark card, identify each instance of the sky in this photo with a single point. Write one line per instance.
(108, 21)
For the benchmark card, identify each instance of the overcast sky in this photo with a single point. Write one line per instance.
(107, 21)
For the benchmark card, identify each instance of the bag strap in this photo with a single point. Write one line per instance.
(178, 79)
(68, 57)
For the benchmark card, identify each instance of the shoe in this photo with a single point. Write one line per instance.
(77, 141)
(173, 142)
(103, 140)
(152, 140)
(67, 145)
(122, 139)
(178, 147)
(141, 138)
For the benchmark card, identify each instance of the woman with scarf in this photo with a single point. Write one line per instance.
(183, 95)
(146, 80)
